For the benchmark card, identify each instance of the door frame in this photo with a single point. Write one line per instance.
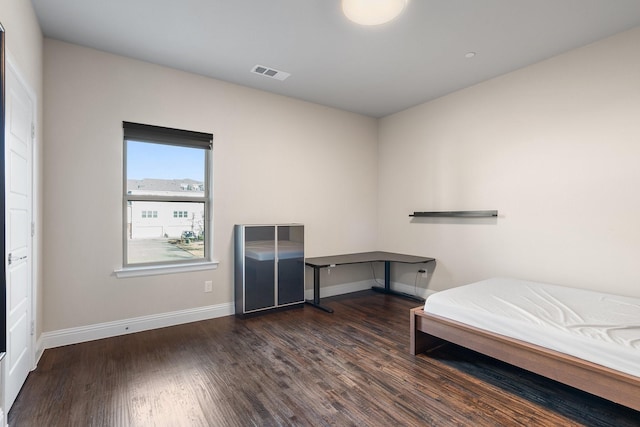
(3, 279)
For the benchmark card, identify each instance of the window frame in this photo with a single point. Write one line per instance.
(168, 136)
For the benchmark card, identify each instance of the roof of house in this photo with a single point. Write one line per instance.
(147, 185)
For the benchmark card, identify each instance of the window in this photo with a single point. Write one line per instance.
(167, 179)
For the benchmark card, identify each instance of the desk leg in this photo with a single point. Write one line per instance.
(387, 285)
(316, 292)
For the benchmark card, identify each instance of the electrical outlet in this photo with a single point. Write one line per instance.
(208, 286)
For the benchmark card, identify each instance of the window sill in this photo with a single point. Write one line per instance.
(164, 269)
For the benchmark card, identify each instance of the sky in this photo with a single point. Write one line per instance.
(145, 160)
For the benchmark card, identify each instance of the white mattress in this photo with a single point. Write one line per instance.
(263, 250)
(598, 327)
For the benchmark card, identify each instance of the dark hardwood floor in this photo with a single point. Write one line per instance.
(296, 367)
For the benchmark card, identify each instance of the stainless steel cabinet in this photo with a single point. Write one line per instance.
(269, 266)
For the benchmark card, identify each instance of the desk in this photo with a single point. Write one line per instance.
(318, 263)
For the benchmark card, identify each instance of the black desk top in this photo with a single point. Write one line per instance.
(328, 261)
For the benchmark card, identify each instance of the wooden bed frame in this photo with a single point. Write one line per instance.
(428, 331)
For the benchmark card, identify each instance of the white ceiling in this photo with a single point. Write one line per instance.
(374, 71)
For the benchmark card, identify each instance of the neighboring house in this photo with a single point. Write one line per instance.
(147, 220)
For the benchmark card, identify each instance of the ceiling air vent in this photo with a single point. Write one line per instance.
(270, 72)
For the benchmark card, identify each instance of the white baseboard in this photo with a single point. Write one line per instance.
(412, 290)
(138, 324)
(343, 288)
(346, 288)
(39, 351)
(128, 326)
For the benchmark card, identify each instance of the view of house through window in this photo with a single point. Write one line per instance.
(166, 198)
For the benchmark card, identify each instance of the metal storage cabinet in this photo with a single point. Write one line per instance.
(269, 266)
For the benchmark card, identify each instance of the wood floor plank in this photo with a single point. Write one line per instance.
(301, 367)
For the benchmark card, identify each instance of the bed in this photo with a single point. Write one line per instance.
(588, 340)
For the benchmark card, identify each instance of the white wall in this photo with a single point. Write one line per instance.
(275, 160)
(555, 147)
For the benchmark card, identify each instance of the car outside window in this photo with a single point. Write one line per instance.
(167, 196)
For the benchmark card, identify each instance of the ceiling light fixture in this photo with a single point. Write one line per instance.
(372, 12)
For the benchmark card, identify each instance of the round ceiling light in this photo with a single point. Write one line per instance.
(372, 12)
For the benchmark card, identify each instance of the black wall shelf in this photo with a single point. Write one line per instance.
(458, 214)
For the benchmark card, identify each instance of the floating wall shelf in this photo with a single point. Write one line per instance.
(459, 214)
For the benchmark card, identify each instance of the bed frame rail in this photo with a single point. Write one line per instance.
(428, 330)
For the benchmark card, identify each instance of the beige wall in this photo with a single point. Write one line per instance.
(275, 160)
(555, 147)
(23, 39)
(24, 45)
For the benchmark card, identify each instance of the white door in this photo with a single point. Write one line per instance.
(18, 146)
